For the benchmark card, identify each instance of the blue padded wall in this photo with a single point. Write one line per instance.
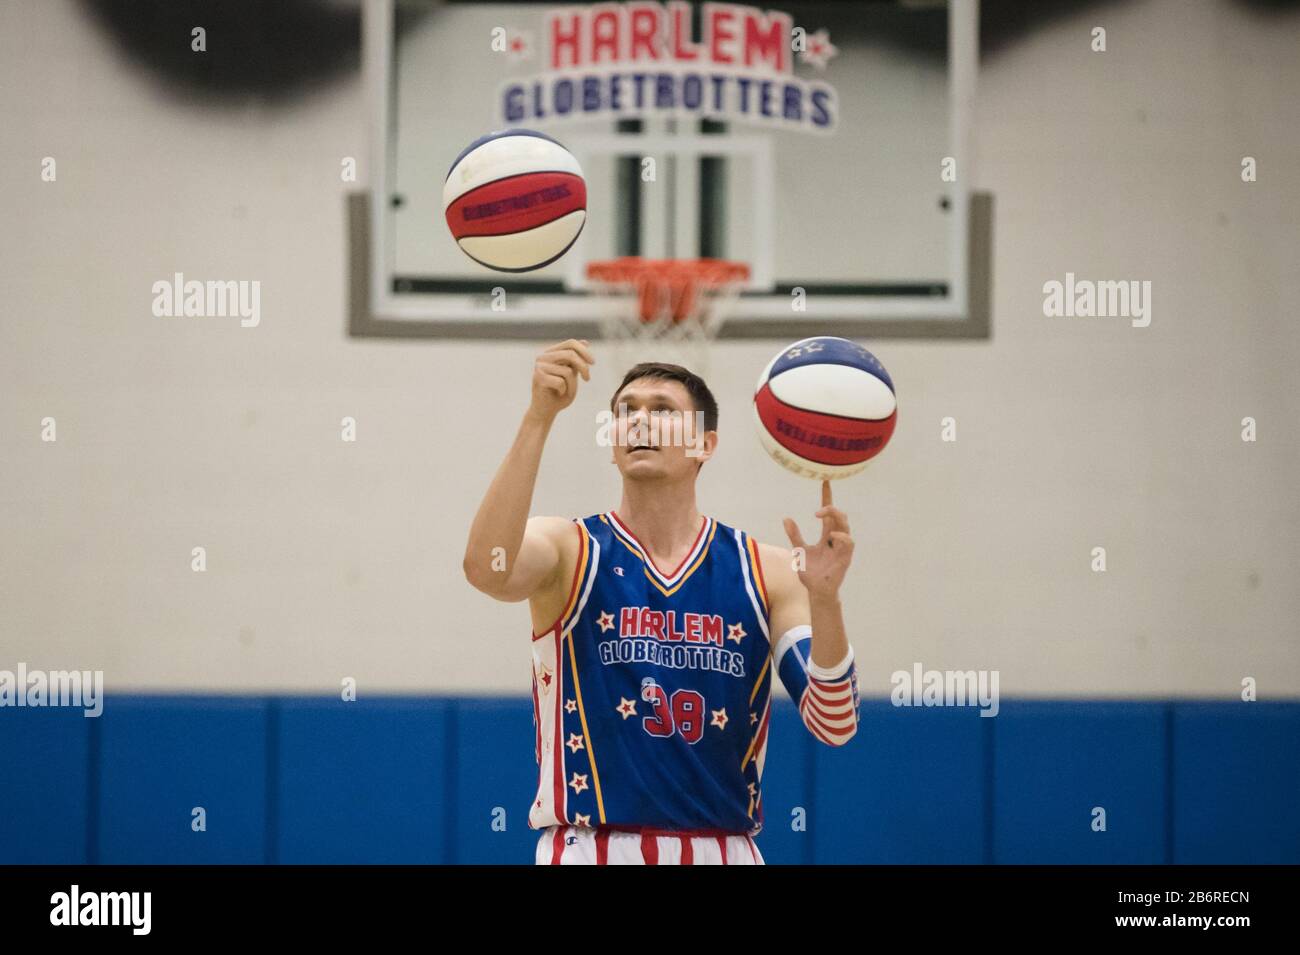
(160, 758)
(496, 777)
(362, 782)
(423, 780)
(787, 788)
(1054, 762)
(1236, 772)
(45, 785)
(910, 787)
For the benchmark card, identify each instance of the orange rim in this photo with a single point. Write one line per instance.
(668, 286)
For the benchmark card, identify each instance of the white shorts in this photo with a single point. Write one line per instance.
(580, 845)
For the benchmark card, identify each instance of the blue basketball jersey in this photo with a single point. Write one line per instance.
(651, 692)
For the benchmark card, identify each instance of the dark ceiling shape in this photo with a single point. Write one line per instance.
(268, 50)
(1004, 22)
(274, 50)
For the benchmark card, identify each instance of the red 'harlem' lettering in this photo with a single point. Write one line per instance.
(732, 36)
(670, 627)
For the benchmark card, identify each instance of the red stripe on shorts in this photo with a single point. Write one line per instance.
(650, 848)
(557, 849)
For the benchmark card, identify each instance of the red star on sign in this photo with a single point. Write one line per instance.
(626, 707)
(574, 743)
(606, 621)
(736, 631)
(578, 782)
(519, 45)
(819, 49)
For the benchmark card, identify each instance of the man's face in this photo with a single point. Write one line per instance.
(662, 435)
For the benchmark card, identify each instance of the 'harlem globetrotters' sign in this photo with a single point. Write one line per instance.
(641, 59)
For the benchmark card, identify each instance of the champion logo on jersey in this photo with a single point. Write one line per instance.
(619, 571)
(671, 582)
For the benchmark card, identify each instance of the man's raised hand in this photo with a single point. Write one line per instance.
(826, 562)
(555, 376)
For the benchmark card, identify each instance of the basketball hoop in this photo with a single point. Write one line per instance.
(666, 309)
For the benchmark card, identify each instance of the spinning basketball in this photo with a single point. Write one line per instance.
(825, 407)
(515, 200)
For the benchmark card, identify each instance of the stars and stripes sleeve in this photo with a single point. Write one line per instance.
(827, 697)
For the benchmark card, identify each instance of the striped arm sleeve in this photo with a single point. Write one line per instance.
(827, 698)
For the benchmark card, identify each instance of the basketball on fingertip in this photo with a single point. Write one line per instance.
(515, 200)
(824, 407)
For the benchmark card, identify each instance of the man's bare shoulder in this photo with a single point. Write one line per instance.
(777, 565)
(560, 537)
(787, 599)
(554, 528)
(559, 533)
(773, 552)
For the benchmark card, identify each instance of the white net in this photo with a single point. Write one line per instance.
(666, 309)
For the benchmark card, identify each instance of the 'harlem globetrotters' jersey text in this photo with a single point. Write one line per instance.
(652, 692)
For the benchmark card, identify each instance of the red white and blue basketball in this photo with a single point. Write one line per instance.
(515, 200)
(825, 407)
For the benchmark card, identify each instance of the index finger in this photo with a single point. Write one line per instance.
(826, 493)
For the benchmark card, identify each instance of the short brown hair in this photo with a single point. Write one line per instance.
(694, 384)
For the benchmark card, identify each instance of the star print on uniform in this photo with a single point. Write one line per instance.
(578, 782)
(570, 705)
(545, 676)
(580, 819)
(574, 743)
(753, 718)
(606, 621)
(719, 719)
(736, 631)
(626, 707)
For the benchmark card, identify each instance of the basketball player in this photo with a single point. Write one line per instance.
(656, 634)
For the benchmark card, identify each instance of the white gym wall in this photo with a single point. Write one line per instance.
(329, 559)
